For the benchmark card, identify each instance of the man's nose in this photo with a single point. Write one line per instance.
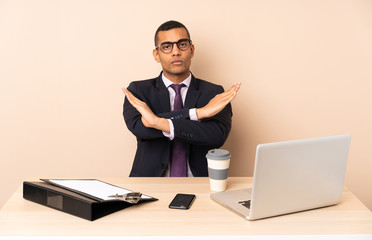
(175, 50)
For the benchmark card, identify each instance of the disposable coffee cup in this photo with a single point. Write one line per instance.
(218, 167)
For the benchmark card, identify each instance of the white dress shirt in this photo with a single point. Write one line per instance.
(192, 112)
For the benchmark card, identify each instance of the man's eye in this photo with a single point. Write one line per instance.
(166, 46)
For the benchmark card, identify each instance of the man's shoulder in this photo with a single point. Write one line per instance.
(199, 83)
(206, 85)
(145, 82)
(144, 86)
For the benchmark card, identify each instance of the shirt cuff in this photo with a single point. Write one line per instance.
(169, 135)
(192, 114)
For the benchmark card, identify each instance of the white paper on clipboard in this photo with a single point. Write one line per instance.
(93, 187)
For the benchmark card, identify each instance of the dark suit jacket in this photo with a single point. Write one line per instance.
(153, 148)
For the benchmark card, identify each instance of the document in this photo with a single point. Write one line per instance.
(92, 187)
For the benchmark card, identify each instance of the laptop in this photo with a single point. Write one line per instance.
(292, 176)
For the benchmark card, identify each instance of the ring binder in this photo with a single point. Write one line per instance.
(77, 203)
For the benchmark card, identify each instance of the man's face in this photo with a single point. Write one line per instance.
(176, 64)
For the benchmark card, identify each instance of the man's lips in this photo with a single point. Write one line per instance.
(177, 62)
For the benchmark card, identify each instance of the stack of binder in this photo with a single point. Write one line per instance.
(79, 198)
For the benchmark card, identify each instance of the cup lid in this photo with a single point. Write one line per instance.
(218, 154)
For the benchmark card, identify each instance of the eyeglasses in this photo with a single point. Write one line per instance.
(182, 44)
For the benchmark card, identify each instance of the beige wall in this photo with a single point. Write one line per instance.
(305, 68)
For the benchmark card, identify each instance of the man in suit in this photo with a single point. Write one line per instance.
(176, 117)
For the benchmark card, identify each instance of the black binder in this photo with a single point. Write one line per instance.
(71, 202)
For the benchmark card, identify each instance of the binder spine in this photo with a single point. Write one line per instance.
(58, 200)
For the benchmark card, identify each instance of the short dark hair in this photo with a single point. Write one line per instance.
(168, 26)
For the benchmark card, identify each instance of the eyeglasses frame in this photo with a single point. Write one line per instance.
(182, 39)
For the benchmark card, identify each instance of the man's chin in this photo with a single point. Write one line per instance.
(179, 72)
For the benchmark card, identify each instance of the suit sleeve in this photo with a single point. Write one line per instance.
(133, 120)
(178, 114)
(211, 131)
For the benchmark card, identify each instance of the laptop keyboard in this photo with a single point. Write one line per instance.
(246, 204)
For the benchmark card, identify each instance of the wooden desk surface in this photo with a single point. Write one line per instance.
(22, 217)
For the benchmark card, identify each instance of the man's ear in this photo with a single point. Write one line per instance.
(192, 47)
(155, 53)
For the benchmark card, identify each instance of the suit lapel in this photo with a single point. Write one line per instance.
(163, 95)
(193, 94)
(191, 100)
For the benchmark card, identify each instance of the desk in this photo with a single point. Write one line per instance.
(24, 218)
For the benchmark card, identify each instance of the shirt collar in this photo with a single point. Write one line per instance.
(168, 82)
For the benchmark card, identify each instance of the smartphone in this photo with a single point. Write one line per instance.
(182, 201)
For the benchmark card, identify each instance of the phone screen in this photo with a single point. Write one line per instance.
(182, 201)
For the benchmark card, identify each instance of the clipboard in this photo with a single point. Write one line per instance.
(99, 190)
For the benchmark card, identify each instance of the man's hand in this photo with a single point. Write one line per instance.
(218, 103)
(149, 119)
